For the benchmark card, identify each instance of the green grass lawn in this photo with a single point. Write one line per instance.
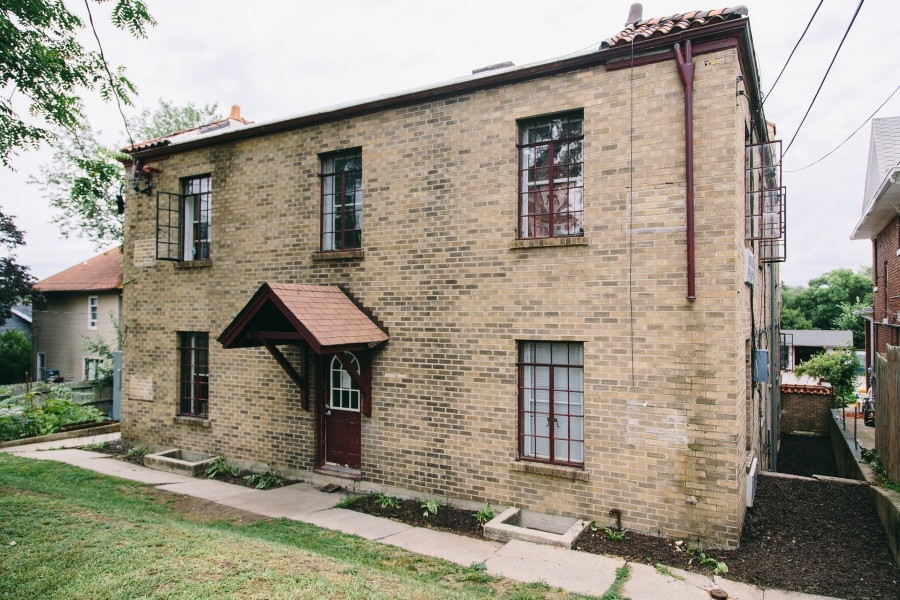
(70, 533)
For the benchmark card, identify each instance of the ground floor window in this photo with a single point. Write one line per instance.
(551, 402)
(194, 356)
(91, 369)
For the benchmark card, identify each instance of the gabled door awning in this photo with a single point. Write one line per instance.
(323, 316)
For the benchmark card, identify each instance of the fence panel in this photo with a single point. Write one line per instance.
(887, 410)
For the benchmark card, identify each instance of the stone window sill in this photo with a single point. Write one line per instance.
(570, 473)
(339, 255)
(192, 421)
(549, 242)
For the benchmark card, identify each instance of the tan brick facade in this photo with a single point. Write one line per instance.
(670, 423)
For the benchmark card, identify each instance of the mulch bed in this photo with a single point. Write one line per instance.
(816, 537)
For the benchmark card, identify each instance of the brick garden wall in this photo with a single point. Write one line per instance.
(806, 408)
(668, 434)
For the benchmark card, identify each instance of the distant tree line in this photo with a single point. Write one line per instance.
(830, 301)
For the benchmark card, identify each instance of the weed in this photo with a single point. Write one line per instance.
(348, 501)
(664, 570)
(615, 590)
(265, 480)
(220, 467)
(430, 507)
(719, 567)
(614, 535)
(136, 451)
(476, 573)
(385, 501)
(96, 446)
(485, 514)
(881, 477)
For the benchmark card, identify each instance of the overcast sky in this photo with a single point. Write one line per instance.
(281, 58)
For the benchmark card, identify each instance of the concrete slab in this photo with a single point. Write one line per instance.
(646, 583)
(67, 443)
(100, 463)
(354, 523)
(455, 548)
(568, 569)
(784, 595)
(212, 490)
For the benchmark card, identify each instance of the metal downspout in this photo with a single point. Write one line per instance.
(774, 371)
(685, 64)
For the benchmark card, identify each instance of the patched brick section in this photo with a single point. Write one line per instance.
(666, 428)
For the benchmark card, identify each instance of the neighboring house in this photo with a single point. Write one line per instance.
(880, 223)
(82, 303)
(550, 286)
(20, 320)
(799, 345)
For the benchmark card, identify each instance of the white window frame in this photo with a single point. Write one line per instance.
(90, 368)
(93, 311)
(340, 382)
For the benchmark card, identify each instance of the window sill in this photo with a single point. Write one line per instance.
(570, 473)
(193, 264)
(549, 242)
(339, 255)
(193, 421)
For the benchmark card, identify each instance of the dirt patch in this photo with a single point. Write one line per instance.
(806, 536)
(199, 510)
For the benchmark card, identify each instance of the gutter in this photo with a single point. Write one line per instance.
(685, 62)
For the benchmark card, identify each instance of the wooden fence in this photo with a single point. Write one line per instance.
(887, 410)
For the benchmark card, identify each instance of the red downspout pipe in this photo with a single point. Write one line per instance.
(686, 72)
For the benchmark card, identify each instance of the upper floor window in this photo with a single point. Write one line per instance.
(342, 200)
(184, 221)
(551, 176)
(193, 349)
(551, 402)
(93, 311)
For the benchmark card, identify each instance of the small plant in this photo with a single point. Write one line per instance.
(265, 480)
(476, 573)
(135, 451)
(881, 477)
(220, 467)
(385, 501)
(614, 534)
(348, 501)
(664, 570)
(593, 526)
(96, 446)
(719, 567)
(623, 574)
(430, 507)
(485, 514)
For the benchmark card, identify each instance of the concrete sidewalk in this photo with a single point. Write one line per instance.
(523, 561)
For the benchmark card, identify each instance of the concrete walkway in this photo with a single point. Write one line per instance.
(523, 561)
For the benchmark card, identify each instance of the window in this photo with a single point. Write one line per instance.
(342, 200)
(91, 369)
(194, 353)
(551, 402)
(93, 309)
(184, 221)
(344, 393)
(41, 364)
(551, 177)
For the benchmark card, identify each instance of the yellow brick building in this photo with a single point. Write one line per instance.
(519, 287)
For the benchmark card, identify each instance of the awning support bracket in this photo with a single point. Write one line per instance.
(298, 379)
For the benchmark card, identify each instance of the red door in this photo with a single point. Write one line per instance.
(342, 417)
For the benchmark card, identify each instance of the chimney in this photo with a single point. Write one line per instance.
(634, 14)
(235, 113)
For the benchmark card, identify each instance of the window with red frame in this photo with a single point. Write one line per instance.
(551, 176)
(193, 349)
(551, 402)
(342, 200)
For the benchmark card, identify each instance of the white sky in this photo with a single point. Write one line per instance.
(277, 58)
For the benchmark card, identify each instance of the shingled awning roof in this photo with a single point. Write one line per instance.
(100, 273)
(662, 26)
(323, 316)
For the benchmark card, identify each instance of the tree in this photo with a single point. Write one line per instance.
(85, 176)
(838, 368)
(15, 356)
(15, 280)
(44, 68)
(829, 302)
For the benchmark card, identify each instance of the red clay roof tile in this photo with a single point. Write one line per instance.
(662, 26)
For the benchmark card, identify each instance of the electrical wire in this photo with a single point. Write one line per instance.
(787, 62)
(112, 84)
(836, 148)
(824, 77)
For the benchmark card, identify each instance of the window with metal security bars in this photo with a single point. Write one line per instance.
(551, 402)
(551, 177)
(344, 393)
(184, 221)
(765, 214)
(342, 200)
(193, 350)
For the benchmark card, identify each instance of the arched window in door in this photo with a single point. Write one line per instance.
(344, 393)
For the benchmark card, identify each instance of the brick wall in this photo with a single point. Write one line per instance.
(806, 408)
(667, 432)
(886, 282)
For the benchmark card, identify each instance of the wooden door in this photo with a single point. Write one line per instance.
(342, 418)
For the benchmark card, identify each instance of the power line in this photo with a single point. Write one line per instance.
(824, 77)
(787, 62)
(896, 89)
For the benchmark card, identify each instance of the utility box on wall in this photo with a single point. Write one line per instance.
(761, 366)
